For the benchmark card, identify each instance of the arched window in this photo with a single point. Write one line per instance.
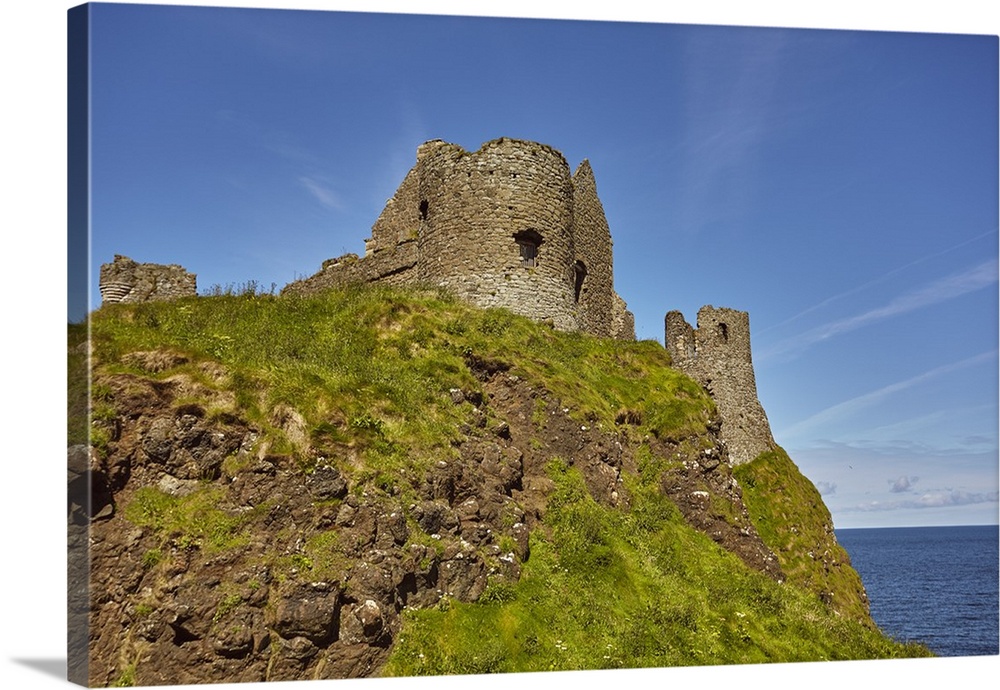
(528, 241)
(724, 332)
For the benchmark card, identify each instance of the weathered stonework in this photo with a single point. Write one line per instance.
(717, 355)
(125, 280)
(504, 226)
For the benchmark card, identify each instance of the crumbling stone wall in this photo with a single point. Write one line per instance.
(622, 320)
(394, 267)
(504, 226)
(400, 219)
(717, 355)
(593, 273)
(125, 280)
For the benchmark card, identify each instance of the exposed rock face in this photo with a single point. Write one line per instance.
(717, 355)
(293, 574)
(505, 226)
(125, 280)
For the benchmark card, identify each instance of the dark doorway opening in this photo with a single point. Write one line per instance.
(579, 274)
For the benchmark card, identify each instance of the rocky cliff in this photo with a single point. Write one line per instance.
(278, 488)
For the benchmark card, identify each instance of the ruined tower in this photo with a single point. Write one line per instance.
(717, 355)
(506, 226)
(125, 280)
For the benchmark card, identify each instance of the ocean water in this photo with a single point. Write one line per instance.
(935, 585)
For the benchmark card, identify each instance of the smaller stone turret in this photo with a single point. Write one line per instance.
(717, 355)
(125, 280)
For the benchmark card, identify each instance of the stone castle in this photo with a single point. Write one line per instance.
(505, 226)
(125, 280)
(510, 226)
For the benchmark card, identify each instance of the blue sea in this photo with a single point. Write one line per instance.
(935, 585)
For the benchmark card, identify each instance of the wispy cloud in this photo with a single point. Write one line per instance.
(979, 440)
(854, 405)
(725, 123)
(882, 278)
(321, 193)
(970, 280)
(931, 499)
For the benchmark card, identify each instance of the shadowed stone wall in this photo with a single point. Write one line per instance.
(593, 273)
(125, 280)
(717, 355)
(504, 226)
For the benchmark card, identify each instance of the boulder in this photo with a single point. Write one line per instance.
(309, 610)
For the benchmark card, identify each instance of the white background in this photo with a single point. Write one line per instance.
(32, 654)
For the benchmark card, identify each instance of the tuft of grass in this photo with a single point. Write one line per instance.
(227, 605)
(152, 558)
(194, 520)
(125, 679)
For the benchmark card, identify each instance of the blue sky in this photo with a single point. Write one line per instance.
(840, 186)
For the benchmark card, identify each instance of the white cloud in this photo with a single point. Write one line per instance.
(882, 278)
(826, 488)
(725, 125)
(324, 195)
(931, 499)
(902, 484)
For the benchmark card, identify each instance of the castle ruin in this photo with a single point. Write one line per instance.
(505, 226)
(716, 354)
(509, 226)
(125, 280)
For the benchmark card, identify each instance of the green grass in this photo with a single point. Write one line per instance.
(194, 520)
(789, 513)
(370, 367)
(126, 679)
(627, 589)
(78, 381)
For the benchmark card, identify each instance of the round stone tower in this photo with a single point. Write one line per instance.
(504, 226)
(496, 227)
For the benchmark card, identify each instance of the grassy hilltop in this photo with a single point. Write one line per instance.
(388, 482)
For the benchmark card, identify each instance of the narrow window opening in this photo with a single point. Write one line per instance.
(724, 332)
(423, 209)
(528, 242)
(579, 273)
(529, 254)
